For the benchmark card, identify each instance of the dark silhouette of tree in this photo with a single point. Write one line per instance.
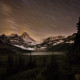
(44, 61)
(10, 65)
(74, 52)
(30, 60)
(32, 63)
(51, 72)
(76, 47)
(20, 64)
(77, 39)
(73, 55)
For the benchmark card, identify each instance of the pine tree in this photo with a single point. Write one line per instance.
(51, 71)
(74, 53)
(77, 39)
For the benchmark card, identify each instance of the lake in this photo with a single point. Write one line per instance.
(44, 53)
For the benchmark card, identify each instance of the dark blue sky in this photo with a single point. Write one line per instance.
(39, 18)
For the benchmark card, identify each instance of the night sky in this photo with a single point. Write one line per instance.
(39, 18)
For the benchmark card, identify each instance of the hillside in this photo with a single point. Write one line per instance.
(59, 43)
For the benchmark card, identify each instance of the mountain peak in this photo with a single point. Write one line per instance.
(12, 35)
(28, 39)
(3, 36)
(24, 35)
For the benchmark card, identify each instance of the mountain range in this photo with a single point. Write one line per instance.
(59, 42)
(25, 42)
(15, 39)
(59, 39)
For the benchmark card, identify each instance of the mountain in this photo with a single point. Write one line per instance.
(59, 42)
(24, 41)
(4, 38)
(6, 48)
(53, 40)
(59, 39)
(16, 39)
(28, 39)
(12, 44)
(70, 39)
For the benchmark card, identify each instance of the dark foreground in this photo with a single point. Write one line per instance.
(55, 67)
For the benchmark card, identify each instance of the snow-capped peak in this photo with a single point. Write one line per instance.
(24, 35)
(28, 39)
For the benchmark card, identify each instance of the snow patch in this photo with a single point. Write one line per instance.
(29, 41)
(22, 47)
(70, 42)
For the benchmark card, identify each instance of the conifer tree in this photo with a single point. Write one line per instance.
(77, 39)
(74, 55)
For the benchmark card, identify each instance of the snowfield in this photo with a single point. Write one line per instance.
(22, 47)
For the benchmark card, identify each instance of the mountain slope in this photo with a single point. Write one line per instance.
(59, 42)
(7, 48)
(28, 39)
(59, 39)
(16, 39)
(23, 42)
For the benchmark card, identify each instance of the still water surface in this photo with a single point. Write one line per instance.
(44, 53)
